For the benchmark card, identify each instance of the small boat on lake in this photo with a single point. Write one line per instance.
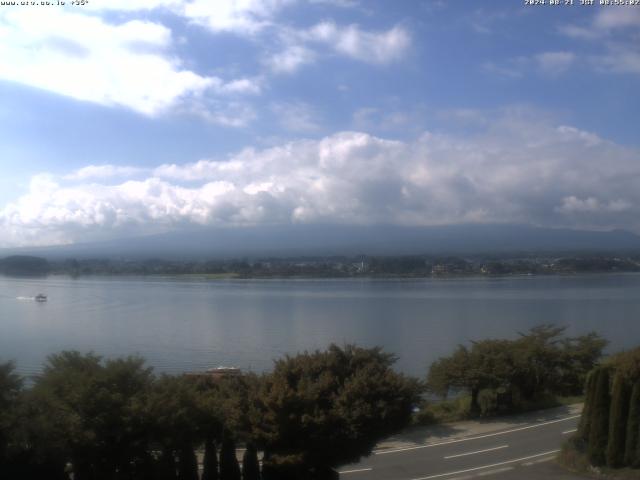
(40, 298)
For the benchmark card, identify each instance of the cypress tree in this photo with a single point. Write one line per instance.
(618, 421)
(187, 463)
(585, 419)
(210, 462)
(166, 466)
(632, 445)
(250, 465)
(229, 468)
(599, 427)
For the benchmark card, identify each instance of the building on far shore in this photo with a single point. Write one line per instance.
(216, 373)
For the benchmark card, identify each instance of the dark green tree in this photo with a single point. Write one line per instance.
(620, 396)
(210, 461)
(322, 409)
(538, 363)
(250, 464)
(579, 356)
(10, 390)
(166, 468)
(585, 419)
(187, 463)
(632, 445)
(599, 424)
(489, 364)
(229, 467)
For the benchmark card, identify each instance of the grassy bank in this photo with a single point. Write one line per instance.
(458, 409)
(573, 457)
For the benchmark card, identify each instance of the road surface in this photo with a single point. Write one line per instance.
(521, 452)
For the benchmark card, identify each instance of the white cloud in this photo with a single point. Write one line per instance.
(517, 168)
(87, 58)
(369, 46)
(237, 16)
(615, 18)
(386, 119)
(604, 22)
(572, 205)
(545, 63)
(616, 31)
(374, 47)
(290, 59)
(296, 116)
(554, 63)
(137, 5)
(619, 59)
(103, 171)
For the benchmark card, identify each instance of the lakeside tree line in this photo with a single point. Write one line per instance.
(115, 419)
(507, 375)
(334, 266)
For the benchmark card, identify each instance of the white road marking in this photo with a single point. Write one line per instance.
(499, 464)
(528, 464)
(497, 470)
(566, 432)
(356, 471)
(477, 451)
(448, 442)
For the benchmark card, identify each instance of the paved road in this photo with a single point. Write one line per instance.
(524, 451)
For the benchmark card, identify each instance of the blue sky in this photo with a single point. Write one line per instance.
(131, 117)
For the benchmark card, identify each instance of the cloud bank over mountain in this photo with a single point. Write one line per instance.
(516, 167)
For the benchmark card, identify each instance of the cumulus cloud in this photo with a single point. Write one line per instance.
(290, 59)
(616, 30)
(114, 64)
(379, 47)
(299, 47)
(517, 168)
(103, 171)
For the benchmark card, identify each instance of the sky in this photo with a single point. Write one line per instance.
(133, 117)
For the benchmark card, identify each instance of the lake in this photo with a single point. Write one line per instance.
(182, 324)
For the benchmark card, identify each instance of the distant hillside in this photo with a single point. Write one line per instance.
(347, 240)
(24, 265)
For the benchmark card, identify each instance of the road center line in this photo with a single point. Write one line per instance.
(515, 460)
(477, 451)
(448, 442)
(356, 471)
(566, 432)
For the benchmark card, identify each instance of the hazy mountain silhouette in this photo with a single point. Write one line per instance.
(345, 240)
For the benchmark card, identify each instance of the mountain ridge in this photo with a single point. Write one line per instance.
(325, 240)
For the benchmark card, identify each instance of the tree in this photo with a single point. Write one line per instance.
(229, 468)
(92, 407)
(632, 445)
(599, 428)
(10, 390)
(579, 356)
(618, 421)
(187, 463)
(585, 419)
(250, 465)
(538, 363)
(210, 461)
(323, 409)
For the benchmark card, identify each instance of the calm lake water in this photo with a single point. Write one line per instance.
(189, 324)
